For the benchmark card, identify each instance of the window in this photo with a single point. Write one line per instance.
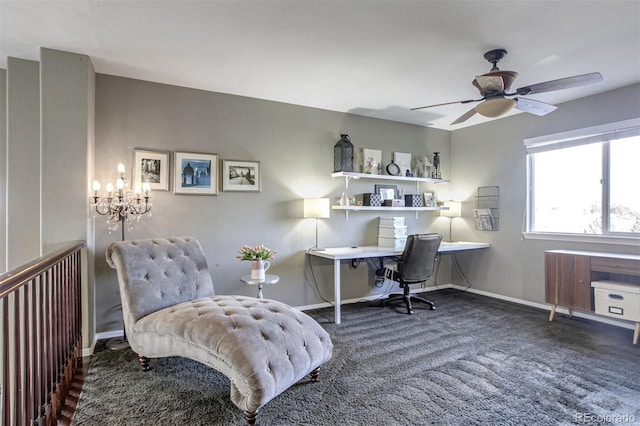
(586, 181)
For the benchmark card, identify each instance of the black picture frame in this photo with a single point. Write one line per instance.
(386, 190)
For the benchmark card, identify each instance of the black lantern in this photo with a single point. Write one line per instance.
(343, 155)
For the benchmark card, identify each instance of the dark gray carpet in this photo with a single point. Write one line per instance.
(472, 361)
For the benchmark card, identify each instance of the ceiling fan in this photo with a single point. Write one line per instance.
(495, 85)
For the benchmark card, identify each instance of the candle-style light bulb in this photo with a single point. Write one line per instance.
(120, 183)
(146, 187)
(96, 186)
(121, 168)
(109, 188)
(136, 190)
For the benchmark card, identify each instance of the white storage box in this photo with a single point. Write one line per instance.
(392, 221)
(396, 243)
(392, 232)
(617, 299)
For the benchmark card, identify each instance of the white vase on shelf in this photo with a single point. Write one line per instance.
(344, 200)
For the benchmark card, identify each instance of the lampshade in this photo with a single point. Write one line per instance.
(317, 208)
(495, 107)
(455, 209)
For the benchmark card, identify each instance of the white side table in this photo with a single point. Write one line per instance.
(268, 279)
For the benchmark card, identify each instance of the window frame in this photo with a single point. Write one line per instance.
(603, 134)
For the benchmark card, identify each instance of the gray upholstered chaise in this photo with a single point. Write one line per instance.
(169, 308)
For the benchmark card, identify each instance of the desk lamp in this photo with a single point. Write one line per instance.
(455, 210)
(316, 208)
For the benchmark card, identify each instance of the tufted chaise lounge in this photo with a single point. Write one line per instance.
(170, 309)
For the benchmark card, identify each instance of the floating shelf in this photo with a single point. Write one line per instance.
(352, 175)
(347, 209)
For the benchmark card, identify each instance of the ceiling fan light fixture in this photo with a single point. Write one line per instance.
(493, 108)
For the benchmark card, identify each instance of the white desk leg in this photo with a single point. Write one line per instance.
(336, 288)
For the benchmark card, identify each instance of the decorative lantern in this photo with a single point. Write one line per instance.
(343, 155)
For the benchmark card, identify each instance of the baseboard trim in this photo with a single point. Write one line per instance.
(89, 351)
(546, 307)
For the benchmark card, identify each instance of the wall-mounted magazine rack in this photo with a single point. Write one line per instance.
(487, 211)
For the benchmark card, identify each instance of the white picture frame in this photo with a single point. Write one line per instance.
(371, 161)
(152, 167)
(403, 160)
(195, 173)
(241, 176)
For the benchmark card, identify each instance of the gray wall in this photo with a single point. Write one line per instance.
(49, 133)
(295, 148)
(66, 87)
(3, 170)
(23, 165)
(493, 154)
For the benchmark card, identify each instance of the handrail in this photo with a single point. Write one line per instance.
(41, 336)
(11, 280)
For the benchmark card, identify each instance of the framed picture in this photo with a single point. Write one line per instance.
(429, 199)
(403, 160)
(151, 167)
(195, 173)
(241, 176)
(372, 161)
(387, 192)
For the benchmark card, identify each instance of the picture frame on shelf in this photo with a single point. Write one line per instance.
(371, 161)
(403, 160)
(241, 176)
(429, 199)
(387, 192)
(195, 173)
(152, 167)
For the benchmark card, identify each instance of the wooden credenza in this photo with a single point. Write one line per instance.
(569, 273)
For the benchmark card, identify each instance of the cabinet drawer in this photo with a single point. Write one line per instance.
(612, 265)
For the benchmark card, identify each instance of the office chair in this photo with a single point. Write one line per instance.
(416, 265)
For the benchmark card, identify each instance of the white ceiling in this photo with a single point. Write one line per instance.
(372, 58)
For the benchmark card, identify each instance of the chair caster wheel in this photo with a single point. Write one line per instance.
(379, 281)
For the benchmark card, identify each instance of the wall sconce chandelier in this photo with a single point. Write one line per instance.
(122, 206)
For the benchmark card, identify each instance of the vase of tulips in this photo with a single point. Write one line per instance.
(260, 257)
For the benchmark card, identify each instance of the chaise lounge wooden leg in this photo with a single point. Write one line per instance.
(314, 375)
(144, 362)
(250, 417)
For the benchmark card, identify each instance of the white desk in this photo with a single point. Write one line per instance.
(347, 253)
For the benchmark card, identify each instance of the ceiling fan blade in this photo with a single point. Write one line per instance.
(562, 83)
(464, 117)
(534, 107)
(447, 103)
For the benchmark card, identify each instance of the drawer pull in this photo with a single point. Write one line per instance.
(616, 296)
